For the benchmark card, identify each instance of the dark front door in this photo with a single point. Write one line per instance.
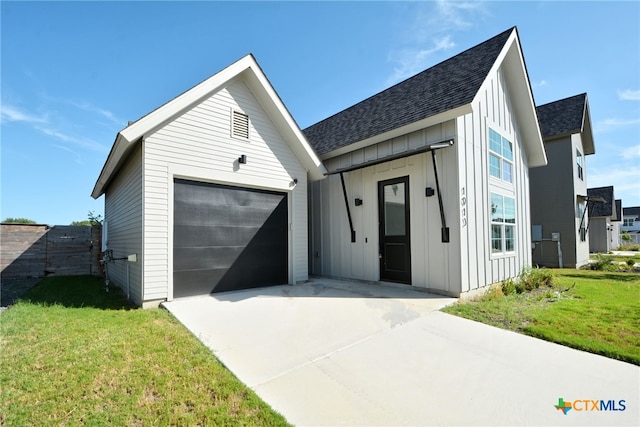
(227, 238)
(395, 248)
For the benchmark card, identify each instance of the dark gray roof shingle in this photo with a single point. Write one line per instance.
(448, 85)
(602, 209)
(635, 210)
(562, 117)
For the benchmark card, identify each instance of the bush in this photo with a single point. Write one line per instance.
(529, 279)
(629, 247)
(601, 263)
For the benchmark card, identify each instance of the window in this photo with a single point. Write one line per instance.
(239, 125)
(627, 222)
(503, 219)
(579, 161)
(500, 157)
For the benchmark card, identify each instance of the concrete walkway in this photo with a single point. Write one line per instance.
(331, 353)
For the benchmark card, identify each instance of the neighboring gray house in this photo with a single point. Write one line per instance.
(429, 180)
(604, 221)
(208, 192)
(631, 223)
(559, 189)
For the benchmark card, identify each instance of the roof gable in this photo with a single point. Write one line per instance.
(632, 211)
(246, 68)
(565, 117)
(446, 86)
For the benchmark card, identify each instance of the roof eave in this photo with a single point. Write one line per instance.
(403, 130)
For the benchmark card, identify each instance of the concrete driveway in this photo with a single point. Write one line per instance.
(331, 353)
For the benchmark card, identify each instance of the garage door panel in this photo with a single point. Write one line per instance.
(228, 238)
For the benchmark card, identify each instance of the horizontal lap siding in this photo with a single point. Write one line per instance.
(123, 215)
(199, 145)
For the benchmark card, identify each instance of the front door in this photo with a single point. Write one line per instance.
(395, 248)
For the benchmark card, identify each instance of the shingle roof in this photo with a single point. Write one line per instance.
(562, 117)
(602, 209)
(443, 87)
(635, 210)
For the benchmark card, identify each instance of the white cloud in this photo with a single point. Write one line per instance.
(413, 61)
(629, 95)
(541, 83)
(457, 14)
(78, 159)
(614, 123)
(86, 106)
(72, 139)
(631, 152)
(13, 114)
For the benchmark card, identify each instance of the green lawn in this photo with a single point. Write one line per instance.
(594, 311)
(72, 354)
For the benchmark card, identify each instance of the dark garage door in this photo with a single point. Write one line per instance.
(227, 238)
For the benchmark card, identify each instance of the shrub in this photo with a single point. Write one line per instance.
(629, 247)
(631, 262)
(508, 286)
(601, 263)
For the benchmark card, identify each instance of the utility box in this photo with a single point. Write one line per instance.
(555, 237)
(536, 233)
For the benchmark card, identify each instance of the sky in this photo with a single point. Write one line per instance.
(72, 74)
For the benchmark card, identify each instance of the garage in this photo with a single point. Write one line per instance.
(227, 238)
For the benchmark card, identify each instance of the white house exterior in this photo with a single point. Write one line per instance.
(205, 188)
(429, 180)
(604, 220)
(631, 224)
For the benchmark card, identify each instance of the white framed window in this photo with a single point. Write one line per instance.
(627, 222)
(500, 157)
(580, 163)
(581, 205)
(503, 224)
(239, 125)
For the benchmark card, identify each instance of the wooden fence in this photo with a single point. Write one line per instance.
(28, 250)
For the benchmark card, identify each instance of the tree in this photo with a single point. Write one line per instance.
(19, 221)
(92, 219)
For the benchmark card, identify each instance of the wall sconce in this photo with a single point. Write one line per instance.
(428, 192)
(242, 160)
(358, 202)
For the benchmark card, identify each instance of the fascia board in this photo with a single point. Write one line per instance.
(412, 127)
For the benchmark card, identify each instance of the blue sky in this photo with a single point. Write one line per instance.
(73, 74)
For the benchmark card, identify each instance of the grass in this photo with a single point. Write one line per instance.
(72, 354)
(594, 311)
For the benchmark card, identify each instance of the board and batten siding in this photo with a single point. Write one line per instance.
(123, 220)
(434, 265)
(197, 145)
(492, 109)
(466, 262)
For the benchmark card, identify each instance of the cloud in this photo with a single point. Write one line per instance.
(614, 123)
(14, 114)
(631, 152)
(457, 15)
(88, 107)
(413, 61)
(72, 139)
(629, 95)
(541, 83)
(78, 159)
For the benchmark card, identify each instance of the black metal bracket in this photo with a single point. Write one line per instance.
(445, 229)
(346, 203)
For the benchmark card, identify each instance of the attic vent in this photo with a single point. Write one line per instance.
(240, 125)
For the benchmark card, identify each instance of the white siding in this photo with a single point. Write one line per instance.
(198, 145)
(466, 262)
(434, 265)
(123, 214)
(480, 266)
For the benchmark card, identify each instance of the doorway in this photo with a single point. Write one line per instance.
(395, 242)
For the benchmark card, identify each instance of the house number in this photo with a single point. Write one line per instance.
(463, 204)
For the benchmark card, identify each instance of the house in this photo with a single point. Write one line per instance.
(631, 223)
(428, 180)
(208, 192)
(604, 220)
(559, 189)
